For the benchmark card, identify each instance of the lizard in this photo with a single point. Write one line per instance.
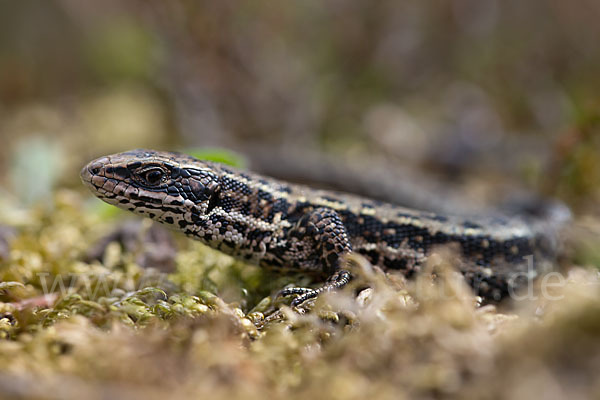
(287, 226)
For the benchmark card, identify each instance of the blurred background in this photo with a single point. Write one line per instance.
(453, 106)
(473, 91)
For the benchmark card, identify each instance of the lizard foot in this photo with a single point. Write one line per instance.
(337, 281)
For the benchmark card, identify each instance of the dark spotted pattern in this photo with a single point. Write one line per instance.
(279, 225)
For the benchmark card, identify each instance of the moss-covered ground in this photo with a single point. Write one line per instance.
(74, 326)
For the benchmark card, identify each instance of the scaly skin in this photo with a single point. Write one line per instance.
(285, 226)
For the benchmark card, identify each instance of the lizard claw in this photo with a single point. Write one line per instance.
(337, 281)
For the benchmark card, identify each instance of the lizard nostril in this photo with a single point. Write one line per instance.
(95, 169)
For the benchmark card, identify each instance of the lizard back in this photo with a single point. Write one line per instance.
(258, 219)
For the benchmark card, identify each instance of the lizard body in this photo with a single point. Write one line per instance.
(286, 226)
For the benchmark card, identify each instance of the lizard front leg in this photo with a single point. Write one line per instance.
(320, 241)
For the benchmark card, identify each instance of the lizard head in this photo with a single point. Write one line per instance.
(171, 188)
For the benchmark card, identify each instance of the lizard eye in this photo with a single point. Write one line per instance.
(153, 176)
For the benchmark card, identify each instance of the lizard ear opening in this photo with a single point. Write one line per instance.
(213, 202)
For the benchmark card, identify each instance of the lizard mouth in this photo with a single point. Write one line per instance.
(86, 175)
(91, 170)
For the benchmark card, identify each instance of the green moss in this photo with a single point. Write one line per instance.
(219, 155)
(210, 328)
